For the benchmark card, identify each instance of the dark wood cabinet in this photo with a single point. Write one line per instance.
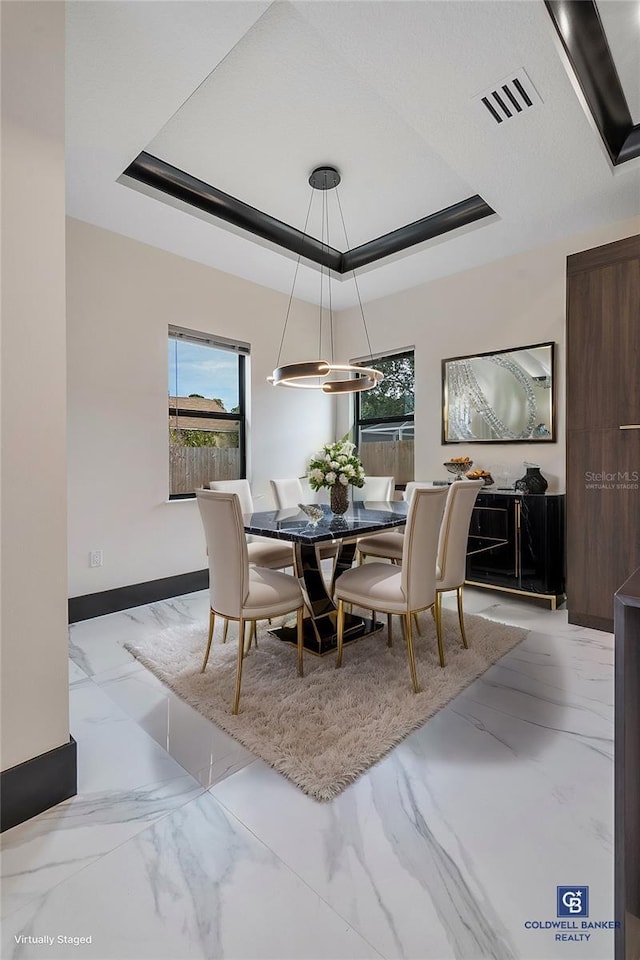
(516, 543)
(627, 769)
(603, 427)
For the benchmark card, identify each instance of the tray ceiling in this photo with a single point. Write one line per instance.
(250, 97)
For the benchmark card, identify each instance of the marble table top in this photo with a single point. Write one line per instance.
(361, 518)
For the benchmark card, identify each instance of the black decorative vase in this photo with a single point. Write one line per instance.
(532, 482)
(339, 499)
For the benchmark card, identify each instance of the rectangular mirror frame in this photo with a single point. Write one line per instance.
(446, 439)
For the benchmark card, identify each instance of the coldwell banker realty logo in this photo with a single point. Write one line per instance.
(572, 911)
(573, 901)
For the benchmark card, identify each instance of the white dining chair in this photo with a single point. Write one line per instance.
(452, 545)
(388, 546)
(237, 590)
(263, 551)
(288, 494)
(412, 485)
(379, 489)
(452, 548)
(403, 590)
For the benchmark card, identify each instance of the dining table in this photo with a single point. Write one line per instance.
(362, 517)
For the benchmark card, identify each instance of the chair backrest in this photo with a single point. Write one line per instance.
(241, 487)
(375, 488)
(415, 485)
(287, 493)
(221, 514)
(313, 496)
(420, 546)
(454, 532)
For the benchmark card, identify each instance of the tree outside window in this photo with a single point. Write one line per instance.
(385, 419)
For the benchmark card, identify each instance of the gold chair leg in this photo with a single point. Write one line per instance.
(225, 631)
(340, 632)
(412, 659)
(236, 699)
(246, 642)
(389, 629)
(461, 618)
(212, 620)
(300, 634)
(438, 617)
(415, 620)
(360, 558)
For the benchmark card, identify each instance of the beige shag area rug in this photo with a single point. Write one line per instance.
(325, 729)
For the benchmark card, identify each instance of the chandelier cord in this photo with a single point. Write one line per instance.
(322, 225)
(320, 374)
(330, 301)
(355, 279)
(293, 285)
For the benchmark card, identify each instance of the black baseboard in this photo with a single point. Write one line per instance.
(37, 784)
(135, 595)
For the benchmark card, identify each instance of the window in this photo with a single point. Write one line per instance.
(206, 411)
(384, 419)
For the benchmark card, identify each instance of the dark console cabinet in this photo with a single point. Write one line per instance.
(516, 543)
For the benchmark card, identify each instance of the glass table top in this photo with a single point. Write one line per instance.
(362, 517)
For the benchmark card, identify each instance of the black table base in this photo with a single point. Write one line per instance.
(320, 636)
(333, 538)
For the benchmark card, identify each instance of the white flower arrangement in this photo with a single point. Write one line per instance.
(336, 463)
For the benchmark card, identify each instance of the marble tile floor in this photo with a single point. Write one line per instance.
(181, 844)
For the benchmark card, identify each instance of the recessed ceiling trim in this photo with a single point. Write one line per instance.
(580, 29)
(457, 215)
(176, 183)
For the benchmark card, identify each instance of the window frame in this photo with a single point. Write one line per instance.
(242, 352)
(359, 421)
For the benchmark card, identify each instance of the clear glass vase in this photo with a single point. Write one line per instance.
(339, 498)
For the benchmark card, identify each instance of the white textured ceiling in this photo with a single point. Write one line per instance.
(256, 128)
(250, 96)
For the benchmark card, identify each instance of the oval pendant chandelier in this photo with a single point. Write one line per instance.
(321, 374)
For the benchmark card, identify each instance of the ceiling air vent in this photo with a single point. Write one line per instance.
(510, 97)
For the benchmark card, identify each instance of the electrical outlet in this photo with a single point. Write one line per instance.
(95, 558)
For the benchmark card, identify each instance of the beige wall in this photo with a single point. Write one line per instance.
(35, 714)
(121, 297)
(510, 303)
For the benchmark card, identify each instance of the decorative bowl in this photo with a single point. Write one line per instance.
(313, 510)
(482, 475)
(459, 467)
